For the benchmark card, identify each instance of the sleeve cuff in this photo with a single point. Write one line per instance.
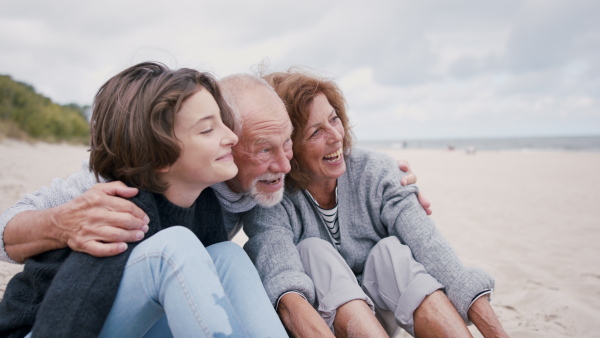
(489, 294)
(285, 293)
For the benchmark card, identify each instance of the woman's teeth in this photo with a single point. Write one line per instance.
(333, 157)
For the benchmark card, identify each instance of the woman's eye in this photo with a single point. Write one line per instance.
(206, 131)
(315, 133)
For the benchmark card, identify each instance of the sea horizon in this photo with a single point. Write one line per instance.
(590, 143)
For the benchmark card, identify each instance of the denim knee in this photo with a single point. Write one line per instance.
(175, 241)
(229, 252)
(176, 234)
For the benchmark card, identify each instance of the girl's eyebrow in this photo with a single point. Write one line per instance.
(202, 119)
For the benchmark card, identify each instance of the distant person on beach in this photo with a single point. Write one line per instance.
(346, 231)
(167, 133)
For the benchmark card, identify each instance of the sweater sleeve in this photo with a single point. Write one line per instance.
(273, 251)
(80, 296)
(59, 192)
(83, 290)
(404, 217)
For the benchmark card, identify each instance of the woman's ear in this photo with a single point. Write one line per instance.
(164, 170)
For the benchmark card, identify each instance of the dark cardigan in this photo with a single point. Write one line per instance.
(63, 293)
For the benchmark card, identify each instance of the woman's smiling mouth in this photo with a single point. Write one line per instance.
(334, 157)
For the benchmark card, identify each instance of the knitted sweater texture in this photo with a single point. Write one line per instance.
(372, 205)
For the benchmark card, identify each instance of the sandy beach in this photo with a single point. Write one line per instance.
(531, 219)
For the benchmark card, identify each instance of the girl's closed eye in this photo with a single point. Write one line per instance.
(207, 130)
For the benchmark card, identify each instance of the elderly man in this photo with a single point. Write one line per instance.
(90, 217)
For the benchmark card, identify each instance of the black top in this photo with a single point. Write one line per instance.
(63, 293)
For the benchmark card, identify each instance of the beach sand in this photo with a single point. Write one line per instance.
(531, 219)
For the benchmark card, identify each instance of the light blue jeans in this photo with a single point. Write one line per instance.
(203, 292)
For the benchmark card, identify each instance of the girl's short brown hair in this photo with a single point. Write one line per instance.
(297, 89)
(132, 122)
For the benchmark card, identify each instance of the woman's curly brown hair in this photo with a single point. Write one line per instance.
(297, 89)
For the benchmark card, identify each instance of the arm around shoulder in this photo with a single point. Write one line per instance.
(17, 231)
(97, 222)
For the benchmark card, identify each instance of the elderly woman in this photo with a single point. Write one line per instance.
(347, 230)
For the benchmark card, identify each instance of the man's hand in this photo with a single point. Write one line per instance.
(99, 222)
(411, 178)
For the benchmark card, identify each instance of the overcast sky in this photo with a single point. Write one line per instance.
(409, 69)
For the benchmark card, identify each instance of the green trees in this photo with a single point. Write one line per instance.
(37, 116)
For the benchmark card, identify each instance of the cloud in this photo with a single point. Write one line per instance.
(550, 34)
(421, 68)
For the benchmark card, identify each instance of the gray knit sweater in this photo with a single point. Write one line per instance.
(372, 205)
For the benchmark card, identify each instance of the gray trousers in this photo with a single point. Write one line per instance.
(393, 283)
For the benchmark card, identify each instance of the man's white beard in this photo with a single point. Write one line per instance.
(267, 199)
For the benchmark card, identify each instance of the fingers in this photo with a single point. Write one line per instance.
(104, 238)
(104, 197)
(424, 203)
(110, 226)
(126, 192)
(122, 226)
(409, 179)
(123, 208)
(99, 249)
(404, 166)
(115, 188)
(99, 222)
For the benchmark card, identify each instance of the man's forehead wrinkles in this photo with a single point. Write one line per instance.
(266, 129)
(261, 141)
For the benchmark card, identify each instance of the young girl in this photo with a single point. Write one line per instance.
(167, 133)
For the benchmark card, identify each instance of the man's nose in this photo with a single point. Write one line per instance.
(280, 163)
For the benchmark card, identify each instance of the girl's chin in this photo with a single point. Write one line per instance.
(228, 172)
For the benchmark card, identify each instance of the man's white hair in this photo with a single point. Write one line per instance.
(232, 87)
